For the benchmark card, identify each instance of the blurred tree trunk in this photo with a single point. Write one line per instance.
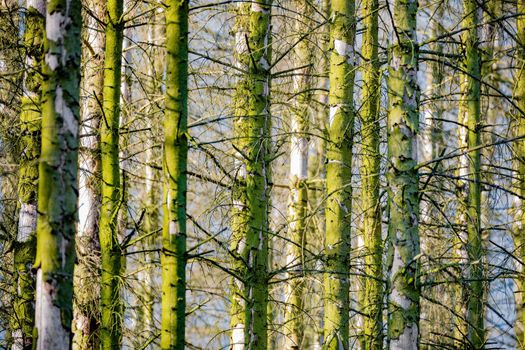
(317, 185)
(152, 194)
(57, 187)
(474, 247)
(30, 119)
(339, 175)
(86, 313)
(371, 296)
(111, 251)
(519, 238)
(402, 130)
(298, 198)
(173, 257)
(239, 208)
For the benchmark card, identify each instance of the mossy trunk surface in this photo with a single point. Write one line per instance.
(402, 129)
(173, 257)
(111, 250)
(57, 186)
(339, 176)
(239, 205)
(371, 296)
(251, 191)
(474, 247)
(24, 248)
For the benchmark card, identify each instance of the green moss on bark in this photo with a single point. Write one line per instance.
(175, 178)
(338, 176)
(371, 296)
(111, 251)
(403, 194)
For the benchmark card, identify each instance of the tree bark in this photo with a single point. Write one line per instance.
(339, 175)
(402, 130)
(173, 257)
(57, 187)
(298, 199)
(474, 245)
(251, 192)
(25, 244)
(371, 296)
(86, 312)
(111, 250)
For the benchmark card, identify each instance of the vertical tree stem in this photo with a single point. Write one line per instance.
(173, 257)
(339, 175)
(402, 130)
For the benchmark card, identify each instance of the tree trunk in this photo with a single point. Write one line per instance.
(251, 191)
(87, 276)
(152, 193)
(57, 187)
(175, 164)
(111, 254)
(25, 244)
(474, 247)
(298, 200)
(371, 296)
(339, 176)
(402, 129)
(239, 208)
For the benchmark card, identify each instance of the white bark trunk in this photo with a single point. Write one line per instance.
(52, 334)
